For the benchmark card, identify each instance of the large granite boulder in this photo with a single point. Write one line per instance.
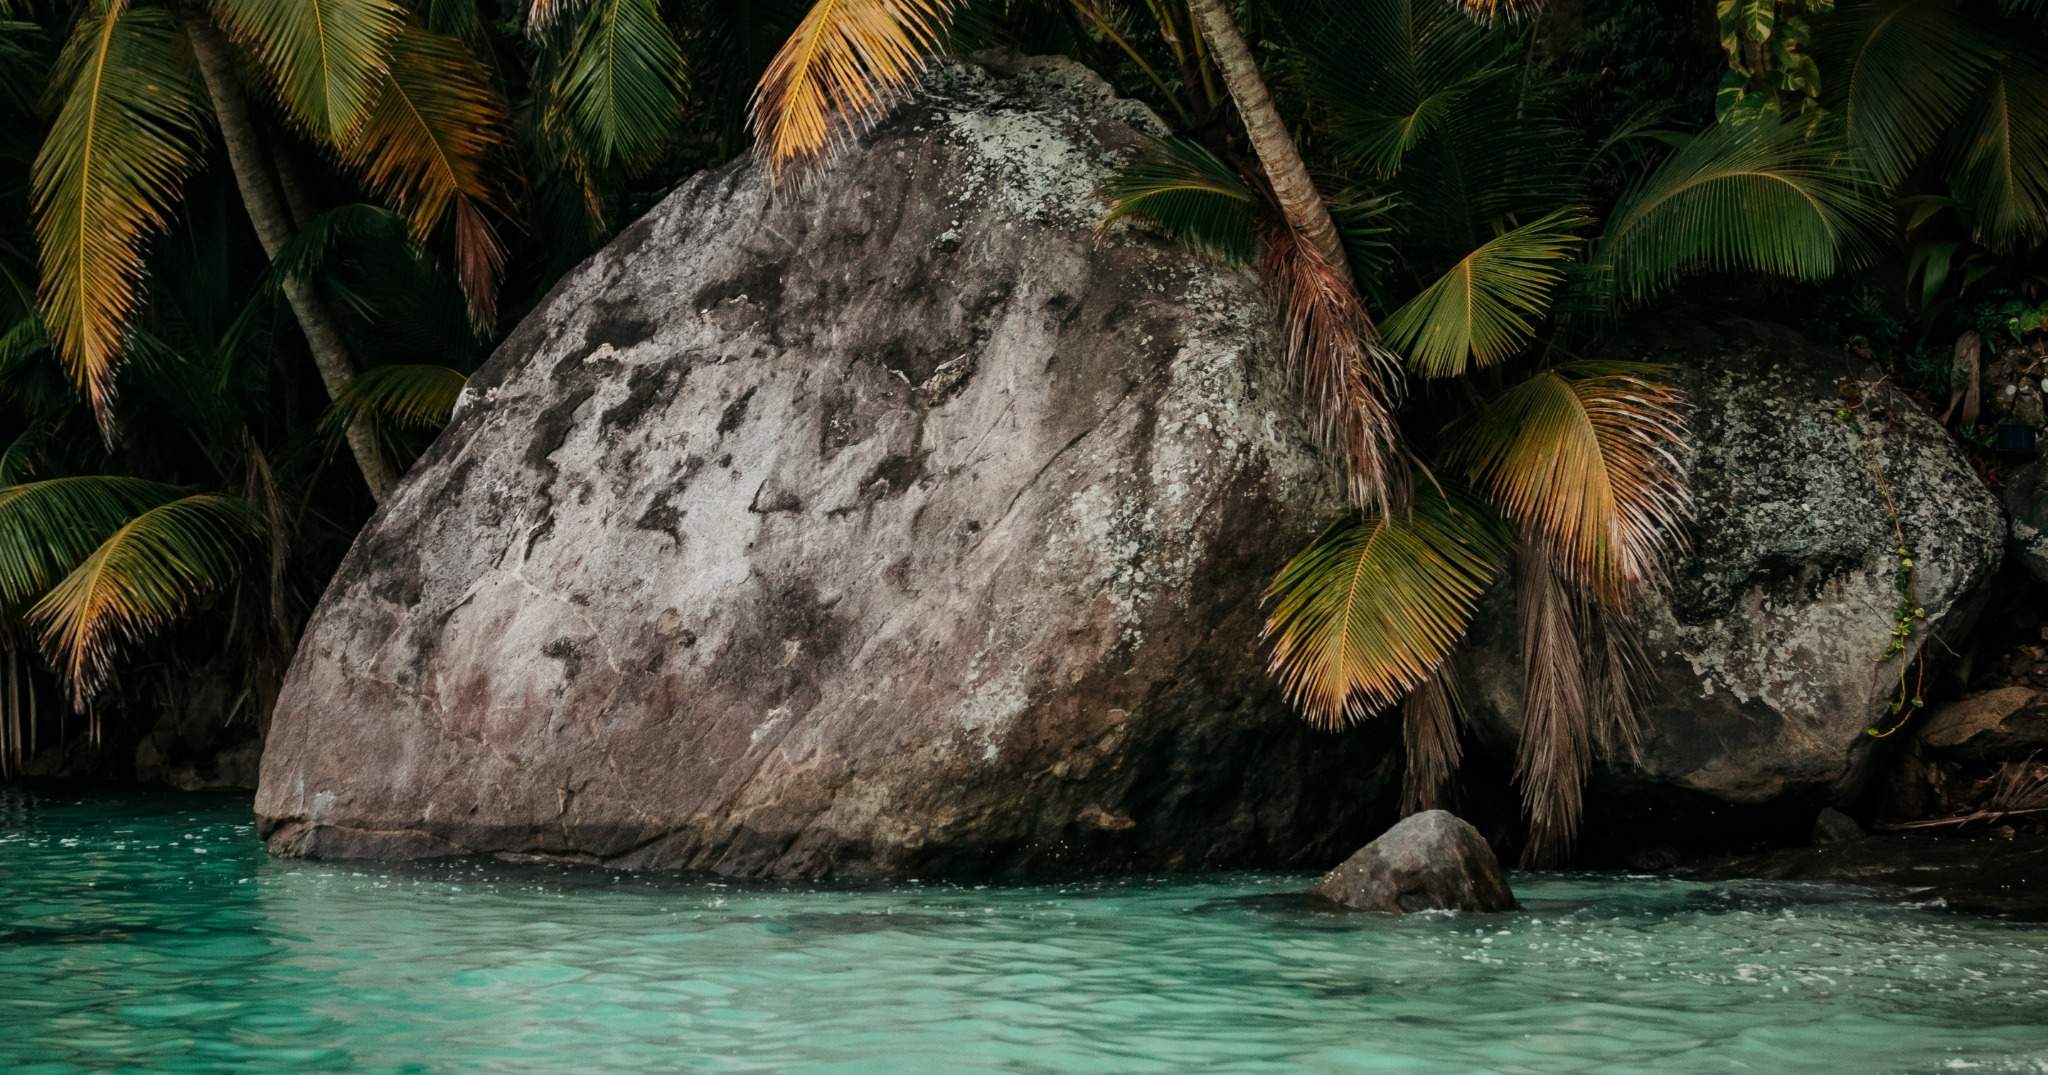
(1431, 861)
(894, 526)
(1768, 652)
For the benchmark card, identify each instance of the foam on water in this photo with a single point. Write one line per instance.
(155, 934)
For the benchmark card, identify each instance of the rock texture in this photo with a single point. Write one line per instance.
(2026, 501)
(1431, 861)
(1766, 652)
(898, 526)
(2002, 724)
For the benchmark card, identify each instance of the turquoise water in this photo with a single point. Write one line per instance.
(153, 934)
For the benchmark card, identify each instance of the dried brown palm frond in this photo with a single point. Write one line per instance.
(1557, 705)
(1616, 671)
(1500, 10)
(1334, 351)
(846, 64)
(1430, 716)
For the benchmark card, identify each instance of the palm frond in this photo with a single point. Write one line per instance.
(19, 458)
(47, 527)
(540, 14)
(1899, 73)
(1556, 750)
(1429, 731)
(1191, 194)
(126, 137)
(620, 87)
(1483, 310)
(2002, 166)
(1759, 196)
(1586, 455)
(409, 396)
(146, 575)
(429, 145)
(1373, 606)
(847, 62)
(327, 58)
(1333, 350)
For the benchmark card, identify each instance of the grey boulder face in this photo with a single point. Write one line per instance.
(2026, 500)
(898, 526)
(1767, 651)
(1431, 861)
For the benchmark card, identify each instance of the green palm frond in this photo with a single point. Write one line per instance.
(1484, 309)
(1382, 143)
(1759, 197)
(1373, 606)
(1586, 456)
(1191, 194)
(620, 87)
(2001, 170)
(127, 135)
(1899, 73)
(47, 527)
(847, 62)
(146, 575)
(18, 458)
(431, 144)
(408, 396)
(327, 58)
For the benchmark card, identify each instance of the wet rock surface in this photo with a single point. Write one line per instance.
(1768, 652)
(1431, 861)
(2026, 501)
(896, 527)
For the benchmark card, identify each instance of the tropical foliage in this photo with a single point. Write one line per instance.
(246, 239)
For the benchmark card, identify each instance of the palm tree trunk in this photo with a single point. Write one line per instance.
(267, 212)
(1285, 172)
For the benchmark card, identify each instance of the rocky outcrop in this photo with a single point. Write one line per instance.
(897, 526)
(2026, 501)
(2002, 724)
(1431, 861)
(1769, 651)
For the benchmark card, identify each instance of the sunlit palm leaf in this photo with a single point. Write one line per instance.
(144, 576)
(327, 58)
(540, 14)
(1759, 197)
(621, 85)
(1484, 309)
(1899, 73)
(126, 137)
(47, 527)
(1191, 194)
(1586, 455)
(2002, 170)
(429, 145)
(847, 62)
(410, 396)
(1373, 606)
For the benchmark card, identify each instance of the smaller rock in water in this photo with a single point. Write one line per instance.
(1429, 862)
(1835, 827)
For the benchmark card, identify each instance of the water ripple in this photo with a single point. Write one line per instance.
(154, 934)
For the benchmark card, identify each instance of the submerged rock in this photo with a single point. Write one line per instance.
(1831, 826)
(1769, 652)
(1431, 861)
(896, 526)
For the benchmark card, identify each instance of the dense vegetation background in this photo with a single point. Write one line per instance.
(248, 258)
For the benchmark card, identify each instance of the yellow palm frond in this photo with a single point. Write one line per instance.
(127, 135)
(847, 62)
(1373, 606)
(147, 574)
(430, 144)
(327, 58)
(1586, 455)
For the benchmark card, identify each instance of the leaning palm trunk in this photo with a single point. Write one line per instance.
(268, 214)
(1285, 172)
